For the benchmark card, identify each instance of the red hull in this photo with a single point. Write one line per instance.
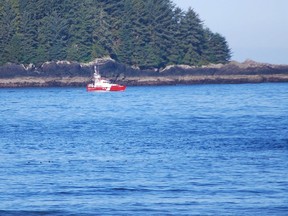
(118, 88)
(112, 88)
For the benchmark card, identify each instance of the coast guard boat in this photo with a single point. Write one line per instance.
(101, 85)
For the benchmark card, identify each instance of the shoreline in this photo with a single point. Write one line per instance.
(75, 74)
(81, 81)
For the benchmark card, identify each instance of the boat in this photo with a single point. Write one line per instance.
(102, 85)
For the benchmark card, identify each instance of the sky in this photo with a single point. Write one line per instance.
(254, 29)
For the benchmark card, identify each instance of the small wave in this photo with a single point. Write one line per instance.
(35, 213)
(123, 189)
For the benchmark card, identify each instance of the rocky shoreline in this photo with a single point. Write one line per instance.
(73, 74)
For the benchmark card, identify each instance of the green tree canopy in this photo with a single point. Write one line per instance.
(146, 34)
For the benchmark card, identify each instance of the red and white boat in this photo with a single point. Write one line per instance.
(101, 85)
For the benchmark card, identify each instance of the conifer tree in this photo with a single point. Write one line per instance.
(216, 48)
(7, 32)
(146, 34)
(174, 52)
(102, 37)
(192, 38)
(124, 49)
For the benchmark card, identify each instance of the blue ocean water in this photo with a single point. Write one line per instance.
(169, 150)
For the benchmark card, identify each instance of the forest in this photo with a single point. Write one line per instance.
(143, 34)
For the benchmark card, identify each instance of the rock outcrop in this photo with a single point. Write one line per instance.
(65, 73)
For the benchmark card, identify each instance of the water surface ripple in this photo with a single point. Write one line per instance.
(171, 150)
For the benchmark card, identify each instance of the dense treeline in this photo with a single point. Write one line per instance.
(141, 33)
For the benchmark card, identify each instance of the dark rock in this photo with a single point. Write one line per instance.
(12, 70)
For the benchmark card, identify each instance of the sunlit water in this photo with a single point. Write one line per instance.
(173, 150)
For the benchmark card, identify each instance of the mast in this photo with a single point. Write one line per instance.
(96, 74)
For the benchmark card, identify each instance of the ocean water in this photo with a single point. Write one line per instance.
(169, 150)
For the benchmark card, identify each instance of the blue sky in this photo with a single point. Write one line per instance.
(254, 29)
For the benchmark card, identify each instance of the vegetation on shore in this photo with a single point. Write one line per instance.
(151, 42)
(144, 34)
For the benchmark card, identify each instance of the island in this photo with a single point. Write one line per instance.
(51, 43)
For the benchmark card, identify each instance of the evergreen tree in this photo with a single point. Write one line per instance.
(139, 32)
(216, 48)
(102, 36)
(174, 52)
(191, 37)
(56, 31)
(80, 38)
(147, 34)
(7, 32)
(113, 23)
(124, 50)
(162, 38)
